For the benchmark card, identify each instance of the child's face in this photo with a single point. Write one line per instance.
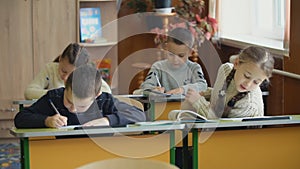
(178, 54)
(74, 104)
(248, 76)
(65, 68)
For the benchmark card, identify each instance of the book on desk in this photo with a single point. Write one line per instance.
(179, 117)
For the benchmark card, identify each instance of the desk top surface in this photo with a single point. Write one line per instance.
(142, 98)
(39, 132)
(28, 102)
(223, 123)
(237, 122)
(163, 98)
(25, 102)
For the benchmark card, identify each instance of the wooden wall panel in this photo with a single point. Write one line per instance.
(16, 59)
(54, 27)
(16, 48)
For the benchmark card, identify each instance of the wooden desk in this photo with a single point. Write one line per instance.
(68, 148)
(21, 103)
(269, 148)
(158, 107)
(161, 106)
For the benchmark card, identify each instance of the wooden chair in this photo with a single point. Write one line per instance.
(131, 101)
(128, 163)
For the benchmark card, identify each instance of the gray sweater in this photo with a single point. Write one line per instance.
(190, 75)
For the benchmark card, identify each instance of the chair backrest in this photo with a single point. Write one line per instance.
(128, 163)
(131, 101)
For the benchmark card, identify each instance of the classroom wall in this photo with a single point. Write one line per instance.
(291, 87)
(282, 90)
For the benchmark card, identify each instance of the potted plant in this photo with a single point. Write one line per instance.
(143, 5)
(190, 11)
(139, 5)
(189, 14)
(162, 4)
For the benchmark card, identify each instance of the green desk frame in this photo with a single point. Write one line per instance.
(25, 134)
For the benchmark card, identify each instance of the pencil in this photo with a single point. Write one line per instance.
(158, 82)
(53, 106)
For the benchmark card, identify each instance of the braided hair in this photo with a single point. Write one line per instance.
(257, 55)
(235, 98)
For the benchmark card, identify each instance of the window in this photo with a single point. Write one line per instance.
(258, 22)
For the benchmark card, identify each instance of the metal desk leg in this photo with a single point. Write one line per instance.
(152, 110)
(21, 107)
(185, 149)
(25, 161)
(195, 148)
(172, 147)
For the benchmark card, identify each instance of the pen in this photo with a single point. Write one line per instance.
(53, 106)
(159, 84)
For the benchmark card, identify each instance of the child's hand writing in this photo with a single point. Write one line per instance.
(56, 121)
(176, 91)
(98, 122)
(159, 89)
(192, 96)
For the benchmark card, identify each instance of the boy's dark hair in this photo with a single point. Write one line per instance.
(76, 54)
(85, 81)
(181, 36)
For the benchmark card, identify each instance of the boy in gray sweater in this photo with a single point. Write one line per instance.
(176, 73)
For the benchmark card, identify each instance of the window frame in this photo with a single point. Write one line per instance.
(283, 42)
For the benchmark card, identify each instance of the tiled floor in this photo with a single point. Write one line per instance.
(10, 156)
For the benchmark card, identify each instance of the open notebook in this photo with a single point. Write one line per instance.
(179, 116)
(186, 116)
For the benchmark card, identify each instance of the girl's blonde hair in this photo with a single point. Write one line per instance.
(259, 56)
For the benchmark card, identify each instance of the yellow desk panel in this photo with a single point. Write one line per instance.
(162, 109)
(69, 153)
(268, 148)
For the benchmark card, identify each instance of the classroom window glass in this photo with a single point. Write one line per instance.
(259, 22)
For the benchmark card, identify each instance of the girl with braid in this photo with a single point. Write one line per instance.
(236, 92)
(55, 74)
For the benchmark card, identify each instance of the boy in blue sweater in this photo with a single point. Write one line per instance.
(80, 102)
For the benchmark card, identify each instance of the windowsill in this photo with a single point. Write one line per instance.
(98, 44)
(244, 41)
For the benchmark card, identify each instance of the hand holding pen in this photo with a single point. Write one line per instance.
(157, 79)
(56, 120)
(159, 87)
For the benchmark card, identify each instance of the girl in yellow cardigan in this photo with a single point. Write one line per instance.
(56, 73)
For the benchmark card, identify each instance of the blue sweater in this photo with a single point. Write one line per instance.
(118, 113)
